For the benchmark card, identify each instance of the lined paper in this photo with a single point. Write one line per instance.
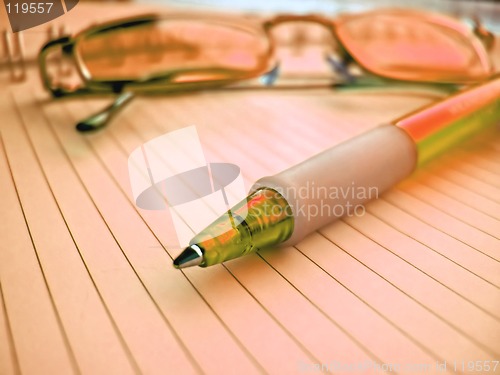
(87, 285)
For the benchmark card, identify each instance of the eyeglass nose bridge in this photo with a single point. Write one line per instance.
(312, 18)
(327, 24)
(338, 65)
(484, 35)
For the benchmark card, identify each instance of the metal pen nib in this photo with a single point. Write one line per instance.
(261, 220)
(191, 256)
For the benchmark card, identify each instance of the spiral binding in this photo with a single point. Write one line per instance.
(14, 55)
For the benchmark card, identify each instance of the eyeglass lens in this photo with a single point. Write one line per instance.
(212, 49)
(411, 48)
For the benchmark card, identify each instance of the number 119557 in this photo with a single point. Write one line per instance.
(33, 8)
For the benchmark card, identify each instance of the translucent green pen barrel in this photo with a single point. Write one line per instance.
(261, 220)
(445, 124)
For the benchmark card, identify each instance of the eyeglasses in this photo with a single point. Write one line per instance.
(153, 53)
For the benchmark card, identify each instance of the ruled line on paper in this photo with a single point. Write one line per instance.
(441, 267)
(477, 239)
(413, 349)
(487, 163)
(307, 288)
(433, 265)
(77, 279)
(466, 196)
(451, 249)
(169, 350)
(402, 309)
(149, 122)
(479, 169)
(155, 235)
(397, 199)
(450, 170)
(120, 185)
(466, 164)
(224, 120)
(9, 363)
(52, 193)
(290, 273)
(307, 351)
(44, 176)
(454, 208)
(103, 333)
(441, 298)
(338, 326)
(479, 173)
(21, 255)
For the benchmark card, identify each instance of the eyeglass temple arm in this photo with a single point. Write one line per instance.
(101, 118)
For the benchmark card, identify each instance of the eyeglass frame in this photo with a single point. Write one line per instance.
(480, 38)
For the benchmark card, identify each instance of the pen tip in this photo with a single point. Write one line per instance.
(190, 256)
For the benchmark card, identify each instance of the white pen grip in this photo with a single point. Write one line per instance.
(337, 181)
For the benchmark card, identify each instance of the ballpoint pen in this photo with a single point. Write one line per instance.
(279, 209)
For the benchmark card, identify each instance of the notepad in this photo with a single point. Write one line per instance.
(86, 277)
